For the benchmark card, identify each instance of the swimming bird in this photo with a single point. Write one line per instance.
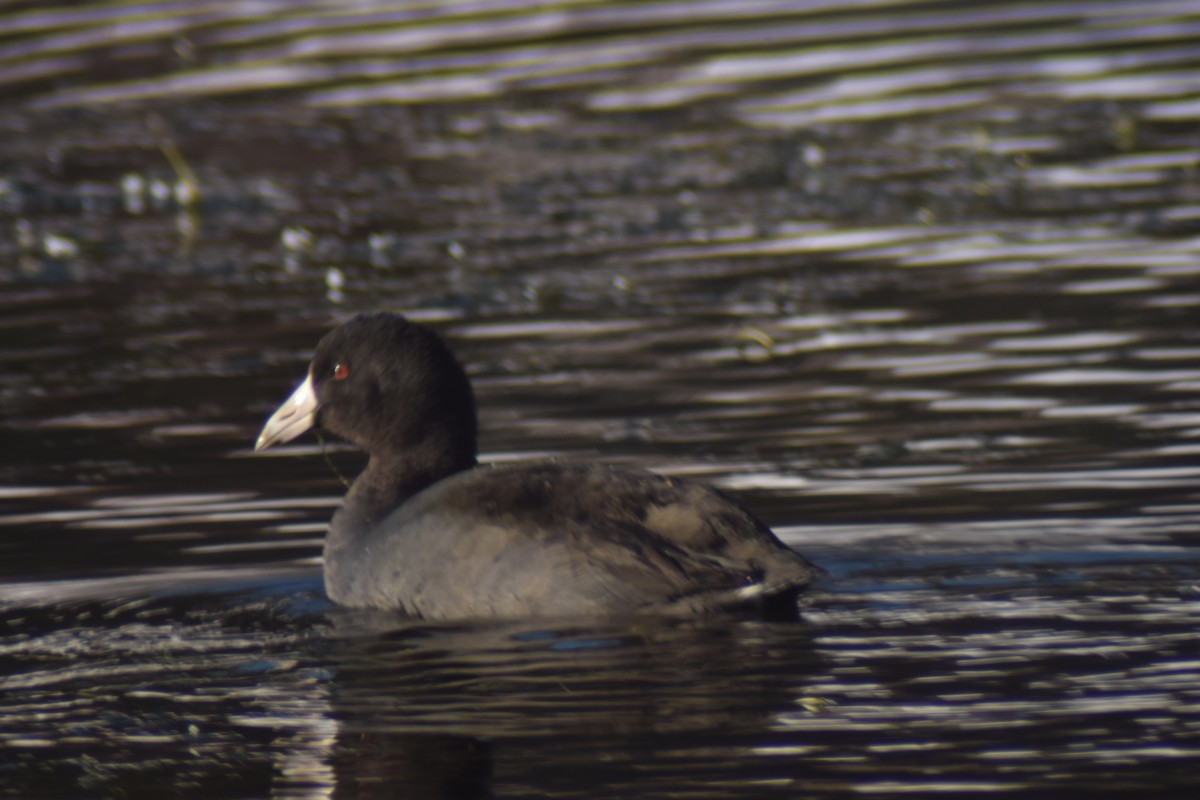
(426, 530)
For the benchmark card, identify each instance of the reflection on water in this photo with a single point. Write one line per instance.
(956, 681)
(917, 282)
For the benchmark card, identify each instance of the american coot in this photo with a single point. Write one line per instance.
(425, 530)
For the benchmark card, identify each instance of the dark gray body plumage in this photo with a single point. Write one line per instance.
(556, 539)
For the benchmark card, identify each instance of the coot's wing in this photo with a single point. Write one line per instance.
(638, 540)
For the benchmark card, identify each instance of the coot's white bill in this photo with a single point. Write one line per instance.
(292, 418)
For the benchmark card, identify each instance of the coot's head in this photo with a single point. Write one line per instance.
(389, 386)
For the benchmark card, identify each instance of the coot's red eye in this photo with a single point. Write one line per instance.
(340, 372)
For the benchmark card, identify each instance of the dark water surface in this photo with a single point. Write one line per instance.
(918, 282)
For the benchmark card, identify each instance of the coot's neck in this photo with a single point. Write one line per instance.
(390, 478)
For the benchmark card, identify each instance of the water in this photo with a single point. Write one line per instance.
(916, 282)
